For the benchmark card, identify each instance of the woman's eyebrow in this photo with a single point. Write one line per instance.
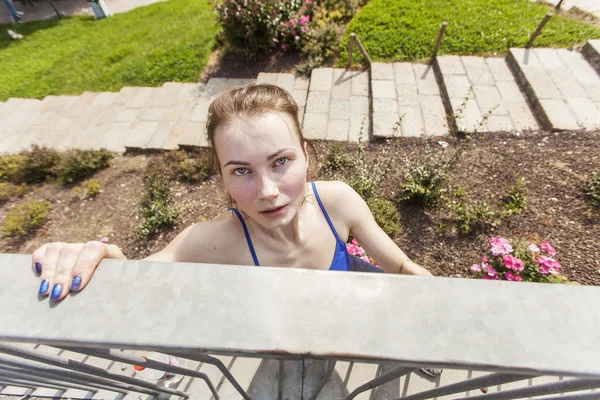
(272, 156)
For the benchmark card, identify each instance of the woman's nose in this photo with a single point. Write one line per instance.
(268, 188)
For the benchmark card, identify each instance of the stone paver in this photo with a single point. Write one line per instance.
(563, 88)
(337, 106)
(591, 51)
(406, 101)
(483, 95)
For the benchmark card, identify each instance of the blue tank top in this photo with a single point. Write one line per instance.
(341, 259)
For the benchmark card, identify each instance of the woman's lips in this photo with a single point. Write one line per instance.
(275, 212)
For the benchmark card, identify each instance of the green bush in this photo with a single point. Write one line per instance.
(591, 189)
(385, 214)
(406, 30)
(77, 165)
(39, 163)
(254, 27)
(424, 184)
(472, 214)
(515, 201)
(88, 189)
(10, 167)
(338, 158)
(157, 209)
(321, 47)
(9, 190)
(26, 218)
(195, 169)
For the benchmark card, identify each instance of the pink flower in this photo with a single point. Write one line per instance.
(533, 248)
(308, 1)
(283, 46)
(297, 38)
(292, 22)
(547, 247)
(476, 268)
(354, 242)
(548, 265)
(305, 29)
(365, 258)
(354, 250)
(489, 270)
(513, 263)
(512, 277)
(294, 33)
(104, 240)
(500, 246)
(485, 259)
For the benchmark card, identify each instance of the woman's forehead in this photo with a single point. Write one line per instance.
(256, 135)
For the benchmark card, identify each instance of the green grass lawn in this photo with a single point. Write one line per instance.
(169, 41)
(406, 30)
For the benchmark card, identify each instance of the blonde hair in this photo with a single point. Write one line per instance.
(253, 100)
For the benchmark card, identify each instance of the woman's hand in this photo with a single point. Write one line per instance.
(65, 267)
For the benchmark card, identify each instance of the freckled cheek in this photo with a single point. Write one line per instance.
(293, 184)
(243, 191)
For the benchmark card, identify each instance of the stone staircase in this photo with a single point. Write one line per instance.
(552, 89)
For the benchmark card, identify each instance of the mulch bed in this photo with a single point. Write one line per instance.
(554, 166)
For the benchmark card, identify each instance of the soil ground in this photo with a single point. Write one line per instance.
(554, 166)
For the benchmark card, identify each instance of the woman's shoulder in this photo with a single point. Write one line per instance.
(332, 192)
(208, 241)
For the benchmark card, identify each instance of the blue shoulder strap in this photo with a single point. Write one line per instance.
(325, 212)
(250, 246)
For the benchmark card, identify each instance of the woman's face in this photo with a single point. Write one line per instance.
(264, 166)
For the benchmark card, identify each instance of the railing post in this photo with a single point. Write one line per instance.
(538, 30)
(350, 48)
(559, 4)
(438, 44)
(362, 49)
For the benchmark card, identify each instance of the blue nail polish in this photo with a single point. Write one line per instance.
(44, 286)
(38, 267)
(56, 291)
(76, 282)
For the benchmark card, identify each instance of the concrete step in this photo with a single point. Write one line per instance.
(591, 52)
(17, 116)
(337, 106)
(481, 95)
(406, 101)
(562, 87)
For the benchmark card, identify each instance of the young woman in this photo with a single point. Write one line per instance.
(280, 219)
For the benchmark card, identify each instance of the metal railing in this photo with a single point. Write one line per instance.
(201, 313)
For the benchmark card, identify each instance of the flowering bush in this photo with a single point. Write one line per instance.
(518, 262)
(259, 26)
(354, 249)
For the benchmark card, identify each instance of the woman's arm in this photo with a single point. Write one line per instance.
(371, 237)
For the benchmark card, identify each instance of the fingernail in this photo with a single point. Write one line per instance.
(56, 291)
(38, 267)
(76, 282)
(44, 286)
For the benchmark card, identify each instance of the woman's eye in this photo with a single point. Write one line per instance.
(240, 171)
(282, 161)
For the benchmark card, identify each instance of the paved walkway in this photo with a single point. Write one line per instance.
(555, 89)
(589, 6)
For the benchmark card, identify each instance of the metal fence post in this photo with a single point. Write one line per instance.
(538, 30)
(438, 44)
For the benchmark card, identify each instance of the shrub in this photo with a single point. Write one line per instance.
(472, 214)
(591, 189)
(255, 27)
(338, 158)
(195, 169)
(321, 47)
(77, 165)
(89, 189)
(26, 218)
(516, 261)
(515, 201)
(39, 163)
(386, 215)
(10, 167)
(8, 190)
(157, 209)
(424, 184)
